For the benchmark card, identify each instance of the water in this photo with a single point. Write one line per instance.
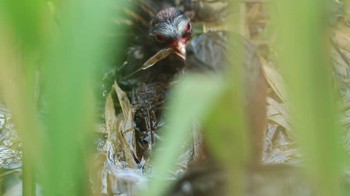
(10, 145)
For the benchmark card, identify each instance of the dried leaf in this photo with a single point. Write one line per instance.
(157, 57)
(279, 120)
(161, 54)
(280, 107)
(275, 81)
(278, 114)
(110, 116)
(125, 132)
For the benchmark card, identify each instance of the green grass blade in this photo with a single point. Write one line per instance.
(305, 60)
(70, 61)
(189, 101)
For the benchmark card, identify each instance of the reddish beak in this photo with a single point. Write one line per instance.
(179, 47)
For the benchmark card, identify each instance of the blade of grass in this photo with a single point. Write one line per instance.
(226, 126)
(23, 20)
(12, 88)
(305, 61)
(70, 61)
(190, 101)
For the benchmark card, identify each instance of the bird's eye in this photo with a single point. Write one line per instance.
(188, 27)
(160, 38)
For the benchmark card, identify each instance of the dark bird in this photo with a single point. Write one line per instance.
(152, 64)
(165, 45)
(167, 50)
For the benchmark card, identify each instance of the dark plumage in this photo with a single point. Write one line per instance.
(169, 29)
(208, 53)
(147, 89)
(170, 24)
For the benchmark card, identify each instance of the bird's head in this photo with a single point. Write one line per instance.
(171, 29)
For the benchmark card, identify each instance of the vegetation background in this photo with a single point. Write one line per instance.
(304, 47)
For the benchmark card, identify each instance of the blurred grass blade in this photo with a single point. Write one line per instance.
(26, 19)
(18, 76)
(190, 101)
(69, 64)
(305, 61)
(13, 93)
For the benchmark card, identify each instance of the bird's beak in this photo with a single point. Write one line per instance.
(179, 47)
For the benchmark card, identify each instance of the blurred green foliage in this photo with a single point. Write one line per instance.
(66, 38)
(304, 55)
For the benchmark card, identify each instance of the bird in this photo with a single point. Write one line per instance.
(152, 64)
(208, 53)
(213, 11)
(170, 32)
(168, 49)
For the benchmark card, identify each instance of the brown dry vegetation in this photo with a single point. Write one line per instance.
(115, 163)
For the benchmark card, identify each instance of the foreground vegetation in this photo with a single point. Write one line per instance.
(63, 43)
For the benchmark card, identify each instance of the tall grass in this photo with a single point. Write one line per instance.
(304, 54)
(20, 42)
(70, 108)
(67, 38)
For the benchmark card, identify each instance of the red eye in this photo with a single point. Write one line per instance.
(188, 27)
(160, 38)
